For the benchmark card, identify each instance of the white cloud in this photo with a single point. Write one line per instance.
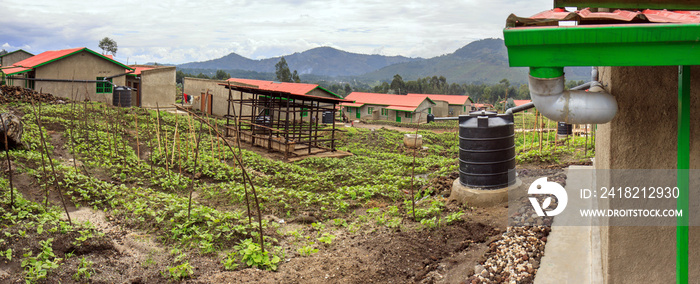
(181, 31)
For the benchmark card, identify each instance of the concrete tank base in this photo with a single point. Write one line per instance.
(481, 197)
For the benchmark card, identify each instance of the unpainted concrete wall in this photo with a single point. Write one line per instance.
(643, 136)
(195, 87)
(440, 109)
(13, 58)
(80, 66)
(158, 86)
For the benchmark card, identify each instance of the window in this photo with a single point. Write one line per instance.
(430, 110)
(370, 110)
(464, 108)
(29, 84)
(103, 87)
(408, 115)
(304, 113)
(385, 111)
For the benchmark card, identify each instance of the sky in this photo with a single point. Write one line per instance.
(177, 31)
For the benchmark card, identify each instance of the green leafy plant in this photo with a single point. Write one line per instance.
(85, 270)
(307, 250)
(326, 238)
(252, 256)
(37, 267)
(181, 271)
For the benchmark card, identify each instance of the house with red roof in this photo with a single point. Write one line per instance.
(152, 85)
(71, 73)
(391, 107)
(448, 105)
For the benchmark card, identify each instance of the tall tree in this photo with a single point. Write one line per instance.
(398, 85)
(3, 52)
(282, 71)
(108, 45)
(295, 77)
(222, 75)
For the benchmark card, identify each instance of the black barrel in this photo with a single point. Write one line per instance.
(563, 128)
(327, 117)
(121, 96)
(486, 150)
(431, 118)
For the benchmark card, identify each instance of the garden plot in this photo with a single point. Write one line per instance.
(158, 198)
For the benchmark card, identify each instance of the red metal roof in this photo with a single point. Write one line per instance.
(402, 108)
(352, 104)
(14, 70)
(45, 57)
(386, 99)
(292, 88)
(450, 99)
(138, 69)
(50, 56)
(586, 17)
(521, 102)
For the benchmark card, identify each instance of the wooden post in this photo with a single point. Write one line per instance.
(138, 147)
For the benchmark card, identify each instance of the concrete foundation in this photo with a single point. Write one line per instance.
(481, 197)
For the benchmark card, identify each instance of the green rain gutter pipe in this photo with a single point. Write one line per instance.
(683, 175)
(571, 106)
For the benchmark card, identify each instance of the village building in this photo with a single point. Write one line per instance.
(152, 85)
(448, 105)
(76, 73)
(80, 73)
(399, 108)
(13, 57)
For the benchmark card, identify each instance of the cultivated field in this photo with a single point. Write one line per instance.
(157, 197)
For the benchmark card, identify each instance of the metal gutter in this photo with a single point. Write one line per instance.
(683, 175)
(621, 45)
(603, 45)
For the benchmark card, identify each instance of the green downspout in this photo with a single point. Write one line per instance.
(546, 72)
(683, 177)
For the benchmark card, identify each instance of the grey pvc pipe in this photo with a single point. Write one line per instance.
(572, 106)
(520, 108)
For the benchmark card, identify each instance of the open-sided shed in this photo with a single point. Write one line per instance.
(294, 124)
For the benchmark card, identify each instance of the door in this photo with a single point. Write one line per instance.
(398, 116)
(358, 112)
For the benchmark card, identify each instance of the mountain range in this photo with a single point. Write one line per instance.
(484, 61)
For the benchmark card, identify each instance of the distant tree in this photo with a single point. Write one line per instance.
(3, 52)
(348, 89)
(222, 75)
(572, 83)
(398, 85)
(295, 77)
(282, 71)
(524, 92)
(108, 45)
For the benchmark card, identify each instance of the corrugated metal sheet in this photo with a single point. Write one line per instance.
(386, 99)
(292, 88)
(588, 17)
(450, 99)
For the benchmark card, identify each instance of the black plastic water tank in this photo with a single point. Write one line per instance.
(486, 150)
(563, 128)
(327, 117)
(121, 96)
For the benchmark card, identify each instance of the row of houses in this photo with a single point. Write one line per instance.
(80, 73)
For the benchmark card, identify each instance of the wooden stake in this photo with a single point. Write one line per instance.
(138, 146)
(9, 163)
(55, 180)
